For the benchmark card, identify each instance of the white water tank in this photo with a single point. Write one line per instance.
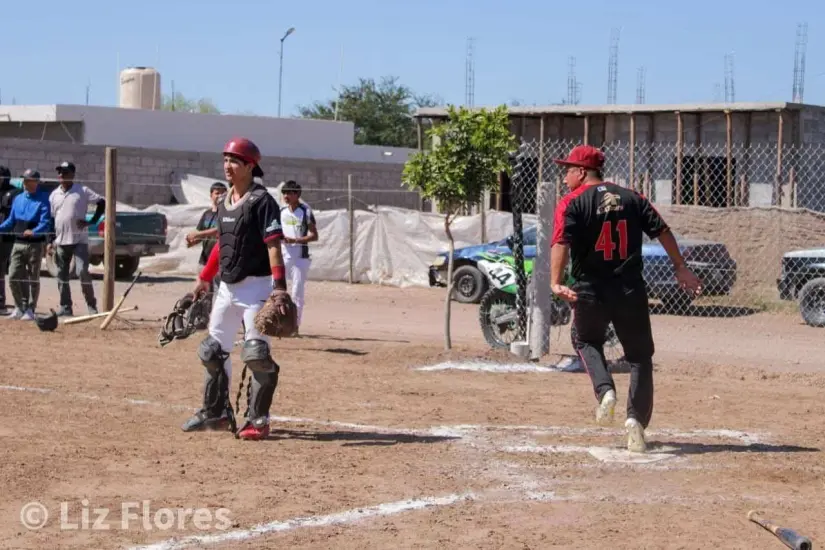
(140, 88)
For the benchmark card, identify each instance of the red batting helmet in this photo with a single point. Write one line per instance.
(247, 151)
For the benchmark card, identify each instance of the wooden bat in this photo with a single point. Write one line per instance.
(85, 318)
(111, 315)
(788, 537)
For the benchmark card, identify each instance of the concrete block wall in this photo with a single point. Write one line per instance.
(145, 176)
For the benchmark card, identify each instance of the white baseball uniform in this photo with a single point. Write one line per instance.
(297, 261)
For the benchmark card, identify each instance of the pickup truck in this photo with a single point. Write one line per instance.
(138, 234)
(802, 278)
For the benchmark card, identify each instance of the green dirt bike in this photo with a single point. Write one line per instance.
(497, 311)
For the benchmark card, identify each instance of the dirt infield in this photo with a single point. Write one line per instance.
(370, 450)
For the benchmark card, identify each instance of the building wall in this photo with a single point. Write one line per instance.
(145, 176)
(203, 133)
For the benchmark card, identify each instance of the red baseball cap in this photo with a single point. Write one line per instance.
(584, 156)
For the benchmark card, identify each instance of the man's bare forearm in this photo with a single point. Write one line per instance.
(558, 259)
(668, 242)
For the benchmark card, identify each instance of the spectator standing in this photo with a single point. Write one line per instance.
(300, 229)
(206, 231)
(69, 204)
(31, 223)
(7, 194)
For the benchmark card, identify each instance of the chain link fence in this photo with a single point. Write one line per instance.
(750, 220)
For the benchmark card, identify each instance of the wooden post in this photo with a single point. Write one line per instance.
(632, 159)
(729, 151)
(647, 186)
(110, 229)
(540, 179)
(777, 186)
(420, 132)
(680, 146)
(701, 162)
(351, 212)
(695, 187)
(587, 129)
(792, 185)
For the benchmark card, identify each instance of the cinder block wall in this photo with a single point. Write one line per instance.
(145, 175)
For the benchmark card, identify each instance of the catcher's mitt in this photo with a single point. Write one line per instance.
(278, 316)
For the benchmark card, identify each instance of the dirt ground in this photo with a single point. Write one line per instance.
(369, 451)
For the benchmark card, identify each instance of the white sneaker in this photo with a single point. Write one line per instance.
(635, 436)
(604, 412)
(15, 315)
(27, 316)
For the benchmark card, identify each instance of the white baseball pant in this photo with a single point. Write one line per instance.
(297, 270)
(232, 304)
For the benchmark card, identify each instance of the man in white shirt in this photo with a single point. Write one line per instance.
(298, 223)
(69, 205)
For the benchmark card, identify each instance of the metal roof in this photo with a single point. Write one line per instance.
(580, 110)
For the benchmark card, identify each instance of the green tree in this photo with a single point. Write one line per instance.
(180, 103)
(382, 112)
(469, 150)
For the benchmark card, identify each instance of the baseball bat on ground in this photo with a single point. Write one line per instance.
(789, 537)
(110, 317)
(84, 318)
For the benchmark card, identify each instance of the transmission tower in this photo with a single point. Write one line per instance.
(799, 62)
(470, 75)
(730, 88)
(717, 93)
(613, 66)
(640, 85)
(573, 85)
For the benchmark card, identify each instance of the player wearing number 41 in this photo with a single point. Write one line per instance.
(600, 225)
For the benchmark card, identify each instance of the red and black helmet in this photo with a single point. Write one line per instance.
(247, 151)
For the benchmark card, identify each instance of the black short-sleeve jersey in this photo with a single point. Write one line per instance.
(603, 224)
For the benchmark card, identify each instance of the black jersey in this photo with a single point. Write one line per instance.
(603, 224)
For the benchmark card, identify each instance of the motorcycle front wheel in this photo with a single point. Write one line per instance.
(498, 318)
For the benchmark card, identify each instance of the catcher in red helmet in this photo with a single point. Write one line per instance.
(248, 257)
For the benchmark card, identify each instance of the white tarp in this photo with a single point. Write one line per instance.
(392, 246)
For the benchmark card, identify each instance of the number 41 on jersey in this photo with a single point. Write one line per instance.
(606, 244)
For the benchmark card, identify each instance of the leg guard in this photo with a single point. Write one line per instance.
(264, 378)
(216, 388)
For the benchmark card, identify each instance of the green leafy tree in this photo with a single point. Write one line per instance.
(382, 112)
(180, 103)
(469, 150)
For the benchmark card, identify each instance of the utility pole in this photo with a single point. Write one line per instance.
(281, 69)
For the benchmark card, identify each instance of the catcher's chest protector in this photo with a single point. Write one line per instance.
(243, 251)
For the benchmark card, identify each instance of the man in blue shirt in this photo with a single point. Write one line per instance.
(30, 221)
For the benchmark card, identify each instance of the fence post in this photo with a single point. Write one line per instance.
(729, 155)
(777, 186)
(517, 189)
(351, 216)
(632, 183)
(110, 228)
(542, 303)
(680, 145)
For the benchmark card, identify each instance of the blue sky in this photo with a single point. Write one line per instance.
(51, 50)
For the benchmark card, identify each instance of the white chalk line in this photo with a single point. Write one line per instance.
(349, 516)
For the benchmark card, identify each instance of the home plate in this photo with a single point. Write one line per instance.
(606, 454)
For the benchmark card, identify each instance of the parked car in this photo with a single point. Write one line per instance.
(139, 234)
(802, 278)
(711, 261)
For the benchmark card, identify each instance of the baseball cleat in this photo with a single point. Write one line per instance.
(604, 412)
(635, 436)
(255, 431)
(200, 422)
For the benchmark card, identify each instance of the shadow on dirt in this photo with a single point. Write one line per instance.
(360, 438)
(342, 351)
(704, 311)
(705, 448)
(352, 339)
